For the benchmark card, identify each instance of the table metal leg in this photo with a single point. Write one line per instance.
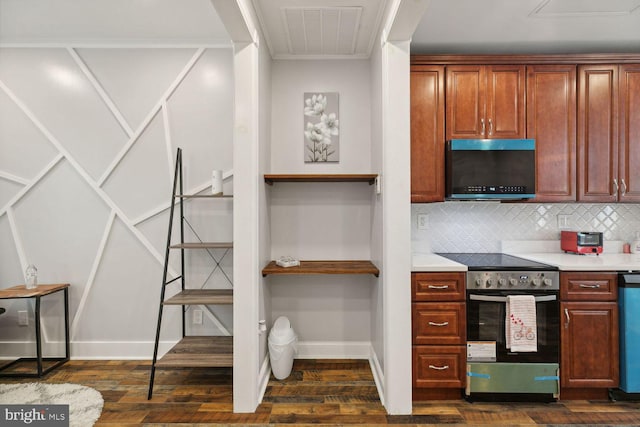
(38, 337)
(67, 340)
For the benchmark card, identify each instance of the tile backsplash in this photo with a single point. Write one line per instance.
(481, 226)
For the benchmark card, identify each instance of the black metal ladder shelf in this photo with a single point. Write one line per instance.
(190, 351)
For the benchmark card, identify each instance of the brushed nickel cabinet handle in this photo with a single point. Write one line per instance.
(482, 123)
(582, 285)
(490, 127)
(438, 286)
(566, 313)
(438, 324)
(624, 187)
(439, 368)
(615, 185)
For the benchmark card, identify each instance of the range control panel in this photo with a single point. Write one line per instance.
(489, 280)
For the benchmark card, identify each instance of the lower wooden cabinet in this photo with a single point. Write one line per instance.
(589, 351)
(589, 335)
(439, 331)
(439, 366)
(439, 323)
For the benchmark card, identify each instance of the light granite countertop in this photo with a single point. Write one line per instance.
(545, 252)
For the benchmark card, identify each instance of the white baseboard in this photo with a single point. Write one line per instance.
(263, 378)
(378, 373)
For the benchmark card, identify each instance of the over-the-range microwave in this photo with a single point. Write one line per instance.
(490, 169)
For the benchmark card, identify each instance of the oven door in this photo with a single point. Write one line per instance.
(486, 313)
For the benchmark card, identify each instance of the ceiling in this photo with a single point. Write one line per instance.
(529, 26)
(333, 28)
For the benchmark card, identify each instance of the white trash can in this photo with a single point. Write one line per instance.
(282, 347)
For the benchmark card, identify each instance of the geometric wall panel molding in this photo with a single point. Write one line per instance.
(126, 183)
(11, 271)
(200, 122)
(125, 293)
(60, 231)
(57, 92)
(135, 79)
(89, 204)
(29, 151)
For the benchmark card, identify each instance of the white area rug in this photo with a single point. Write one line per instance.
(85, 403)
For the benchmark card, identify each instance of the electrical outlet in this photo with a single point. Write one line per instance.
(564, 222)
(378, 185)
(23, 318)
(197, 317)
(423, 221)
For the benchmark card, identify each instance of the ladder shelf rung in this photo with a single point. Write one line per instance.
(203, 196)
(203, 245)
(199, 352)
(201, 297)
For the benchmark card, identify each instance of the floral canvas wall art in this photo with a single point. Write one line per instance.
(321, 127)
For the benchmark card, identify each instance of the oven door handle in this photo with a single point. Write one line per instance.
(493, 298)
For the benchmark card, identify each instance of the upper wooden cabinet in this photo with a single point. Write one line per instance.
(597, 133)
(551, 121)
(485, 101)
(582, 110)
(427, 133)
(608, 122)
(629, 133)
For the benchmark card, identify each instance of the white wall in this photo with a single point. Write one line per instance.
(291, 79)
(87, 140)
(377, 160)
(330, 314)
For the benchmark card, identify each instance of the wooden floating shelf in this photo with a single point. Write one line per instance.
(271, 178)
(203, 245)
(199, 352)
(323, 267)
(203, 196)
(201, 297)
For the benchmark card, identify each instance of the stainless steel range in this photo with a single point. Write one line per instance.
(513, 332)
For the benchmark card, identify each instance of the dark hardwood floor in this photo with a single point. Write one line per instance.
(330, 392)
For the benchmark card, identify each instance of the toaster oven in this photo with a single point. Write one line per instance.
(581, 242)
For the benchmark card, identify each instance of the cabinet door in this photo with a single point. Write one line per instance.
(589, 345)
(586, 286)
(505, 102)
(466, 112)
(439, 323)
(439, 366)
(427, 134)
(551, 121)
(629, 166)
(437, 286)
(597, 133)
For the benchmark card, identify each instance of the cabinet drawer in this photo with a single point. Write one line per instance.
(439, 323)
(437, 286)
(589, 286)
(439, 366)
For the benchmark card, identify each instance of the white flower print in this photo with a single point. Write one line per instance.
(315, 105)
(318, 133)
(331, 123)
(321, 127)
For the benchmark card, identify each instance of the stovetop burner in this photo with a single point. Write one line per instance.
(496, 261)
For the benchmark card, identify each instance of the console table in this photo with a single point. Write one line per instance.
(21, 292)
